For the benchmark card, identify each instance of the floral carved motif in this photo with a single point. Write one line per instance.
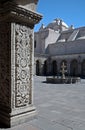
(23, 65)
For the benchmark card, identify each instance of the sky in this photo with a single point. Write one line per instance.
(72, 12)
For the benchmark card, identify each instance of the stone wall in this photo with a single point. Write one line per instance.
(65, 48)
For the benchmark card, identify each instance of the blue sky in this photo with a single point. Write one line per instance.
(72, 12)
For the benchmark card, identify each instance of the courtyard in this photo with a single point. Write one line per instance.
(59, 106)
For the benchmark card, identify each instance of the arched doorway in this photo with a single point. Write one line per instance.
(83, 68)
(45, 68)
(37, 67)
(74, 68)
(54, 67)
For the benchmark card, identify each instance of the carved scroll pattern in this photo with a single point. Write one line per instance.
(5, 64)
(23, 65)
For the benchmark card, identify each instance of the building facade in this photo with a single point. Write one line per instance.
(57, 43)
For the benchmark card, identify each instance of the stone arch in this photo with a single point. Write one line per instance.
(37, 67)
(45, 67)
(83, 68)
(74, 68)
(54, 67)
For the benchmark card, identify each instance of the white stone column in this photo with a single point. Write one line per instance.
(16, 62)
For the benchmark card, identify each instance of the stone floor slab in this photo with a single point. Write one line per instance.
(59, 107)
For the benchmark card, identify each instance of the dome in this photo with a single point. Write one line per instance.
(64, 24)
(58, 25)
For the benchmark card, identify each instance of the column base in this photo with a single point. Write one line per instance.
(17, 116)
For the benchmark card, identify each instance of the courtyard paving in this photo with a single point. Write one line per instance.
(59, 107)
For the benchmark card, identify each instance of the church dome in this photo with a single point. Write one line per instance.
(64, 24)
(58, 25)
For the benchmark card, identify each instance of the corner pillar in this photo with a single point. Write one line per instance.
(16, 63)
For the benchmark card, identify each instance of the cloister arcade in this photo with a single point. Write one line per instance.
(73, 67)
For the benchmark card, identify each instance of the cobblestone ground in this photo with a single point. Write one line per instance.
(59, 106)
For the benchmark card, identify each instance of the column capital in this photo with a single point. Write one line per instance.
(11, 12)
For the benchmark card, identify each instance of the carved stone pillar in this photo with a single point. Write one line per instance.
(16, 60)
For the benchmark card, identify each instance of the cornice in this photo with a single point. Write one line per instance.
(10, 11)
(19, 1)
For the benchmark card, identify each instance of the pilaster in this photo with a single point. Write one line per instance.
(16, 63)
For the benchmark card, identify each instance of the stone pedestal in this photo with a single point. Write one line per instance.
(16, 62)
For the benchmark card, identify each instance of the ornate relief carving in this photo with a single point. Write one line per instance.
(23, 65)
(5, 64)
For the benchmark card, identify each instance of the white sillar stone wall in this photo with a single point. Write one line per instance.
(45, 38)
(74, 47)
(52, 37)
